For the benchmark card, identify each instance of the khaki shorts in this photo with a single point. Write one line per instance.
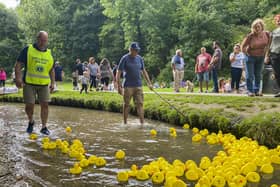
(31, 91)
(136, 93)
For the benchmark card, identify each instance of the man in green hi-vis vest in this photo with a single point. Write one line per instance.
(37, 80)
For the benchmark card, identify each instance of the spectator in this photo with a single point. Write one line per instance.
(177, 65)
(94, 72)
(105, 73)
(201, 68)
(3, 77)
(59, 74)
(84, 81)
(273, 52)
(237, 60)
(215, 65)
(75, 75)
(254, 45)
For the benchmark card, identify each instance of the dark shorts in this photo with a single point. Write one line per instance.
(105, 81)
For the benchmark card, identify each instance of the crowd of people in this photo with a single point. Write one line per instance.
(96, 77)
(247, 61)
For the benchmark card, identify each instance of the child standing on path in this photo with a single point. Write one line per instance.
(85, 81)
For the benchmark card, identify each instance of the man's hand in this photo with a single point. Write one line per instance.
(120, 90)
(266, 60)
(51, 87)
(150, 86)
(19, 83)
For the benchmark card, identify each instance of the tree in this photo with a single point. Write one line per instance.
(9, 38)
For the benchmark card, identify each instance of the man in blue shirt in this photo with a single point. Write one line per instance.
(132, 67)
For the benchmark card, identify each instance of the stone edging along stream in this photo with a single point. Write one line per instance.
(265, 127)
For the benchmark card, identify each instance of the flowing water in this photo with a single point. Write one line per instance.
(102, 134)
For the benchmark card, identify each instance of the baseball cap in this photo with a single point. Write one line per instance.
(134, 45)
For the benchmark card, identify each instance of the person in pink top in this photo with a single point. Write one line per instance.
(254, 46)
(201, 68)
(3, 77)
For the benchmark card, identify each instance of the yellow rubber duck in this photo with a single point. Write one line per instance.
(65, 143)
(68, 129)
(275, 185)
(253, 177)
(249, 167)
(52, 145)
(205, 162)
(132, 173)
(142, 175)
(169, 181)
(45, 139)
(195, 130)
(122, 176)
(190, 164)
(204, 181)
(173, 134)
(77, 142)
(64, 149)
(267, 168)
(186, 126)
(73, 153)
(58, 143)
(170, 173)
(134, 167)
(172, 130)
(120, 154)
(84, 163)
(218, 181)
(153, 132)
(76, 169)
(45, 145)
(196, 138)
(158, 177)
(239, 180)
(100, 162)
(275, 159)
(191, 175)
(92, 159)
(204, 132)
(33, 136)
(179, 183)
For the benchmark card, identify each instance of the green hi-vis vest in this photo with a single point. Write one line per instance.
(39, 64)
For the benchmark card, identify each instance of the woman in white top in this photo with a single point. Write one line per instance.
(237, 59)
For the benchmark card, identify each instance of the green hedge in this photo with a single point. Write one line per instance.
(263, 127)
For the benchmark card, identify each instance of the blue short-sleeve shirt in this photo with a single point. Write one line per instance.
(132, 68)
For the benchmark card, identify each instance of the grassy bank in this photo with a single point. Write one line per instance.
(257, 117)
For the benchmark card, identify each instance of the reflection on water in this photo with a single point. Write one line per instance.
(102, 134)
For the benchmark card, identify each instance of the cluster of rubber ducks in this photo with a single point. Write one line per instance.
(242, 161)
(77, 151)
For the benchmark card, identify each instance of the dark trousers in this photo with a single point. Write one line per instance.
(75, 82)
(84, 87)
(93, 81)
(254, 68)
(2, 83)
(215, 79)
(275, 62)
(235, 77)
